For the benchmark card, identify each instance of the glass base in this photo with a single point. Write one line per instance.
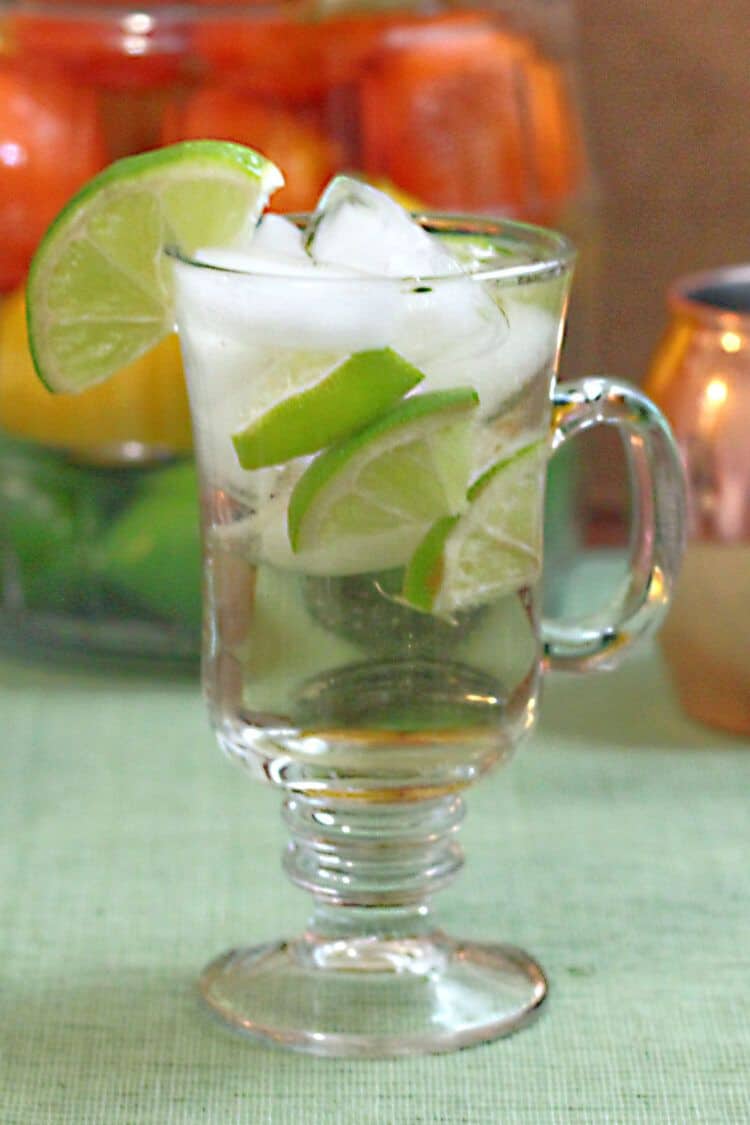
(374, 997)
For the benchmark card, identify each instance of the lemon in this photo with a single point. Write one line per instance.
(344, 398)
(367, 500)
(99, 290)
(145, 402)
(491, 549)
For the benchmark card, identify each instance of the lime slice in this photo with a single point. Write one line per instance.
(99, 292)
(367, 501)
(329, 401)
(493, 548)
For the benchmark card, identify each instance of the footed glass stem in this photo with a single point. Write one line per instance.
(372, 976)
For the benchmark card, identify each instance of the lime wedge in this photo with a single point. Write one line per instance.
(99, 291)
(367, 501)
(493, 548)
(329, 401)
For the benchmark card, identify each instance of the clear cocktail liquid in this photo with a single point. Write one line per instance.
(318, 673)
(335, 680)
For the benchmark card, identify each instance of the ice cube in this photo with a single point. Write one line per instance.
(357, 226)
(275, 235)
(448, 325)
(453, 332)
(236, 326)
(273, 241)
(457, 334)
(531, 344)
(286, 302)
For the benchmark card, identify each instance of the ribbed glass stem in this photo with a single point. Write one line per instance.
(350, 854)
(372, 976)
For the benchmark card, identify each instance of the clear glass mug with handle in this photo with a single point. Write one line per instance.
(373, 640)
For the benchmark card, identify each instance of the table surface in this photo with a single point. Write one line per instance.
(614, 847)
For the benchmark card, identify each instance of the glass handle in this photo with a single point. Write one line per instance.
(657, 531)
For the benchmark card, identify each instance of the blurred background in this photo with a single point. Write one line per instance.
(666, 89)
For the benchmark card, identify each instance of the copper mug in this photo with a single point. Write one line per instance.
(700, 377)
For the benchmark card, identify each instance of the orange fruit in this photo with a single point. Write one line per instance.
(557, 144)
(308, 157)
(50, 144)
(441, 115)
(127, 49)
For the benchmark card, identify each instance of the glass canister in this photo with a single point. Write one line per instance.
(469, 107)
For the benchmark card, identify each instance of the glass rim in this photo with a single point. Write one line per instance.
(558, 259)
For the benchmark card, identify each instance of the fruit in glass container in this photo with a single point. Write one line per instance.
(150, 551)
(558, 150)
(280, 57)
(123, 49)
(37, 504)
(299, 146)
(291, 59)
(51, 143)
(144, 402)
(442, 117)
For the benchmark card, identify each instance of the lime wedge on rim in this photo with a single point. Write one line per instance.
(369, 499)
(493, 548)
(329, 400)
(99, 291)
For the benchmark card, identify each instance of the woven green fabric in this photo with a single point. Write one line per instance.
(615, 848)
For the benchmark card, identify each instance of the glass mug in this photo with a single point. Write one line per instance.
(373, 642)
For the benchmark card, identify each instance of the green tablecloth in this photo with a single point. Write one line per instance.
(615, 848)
